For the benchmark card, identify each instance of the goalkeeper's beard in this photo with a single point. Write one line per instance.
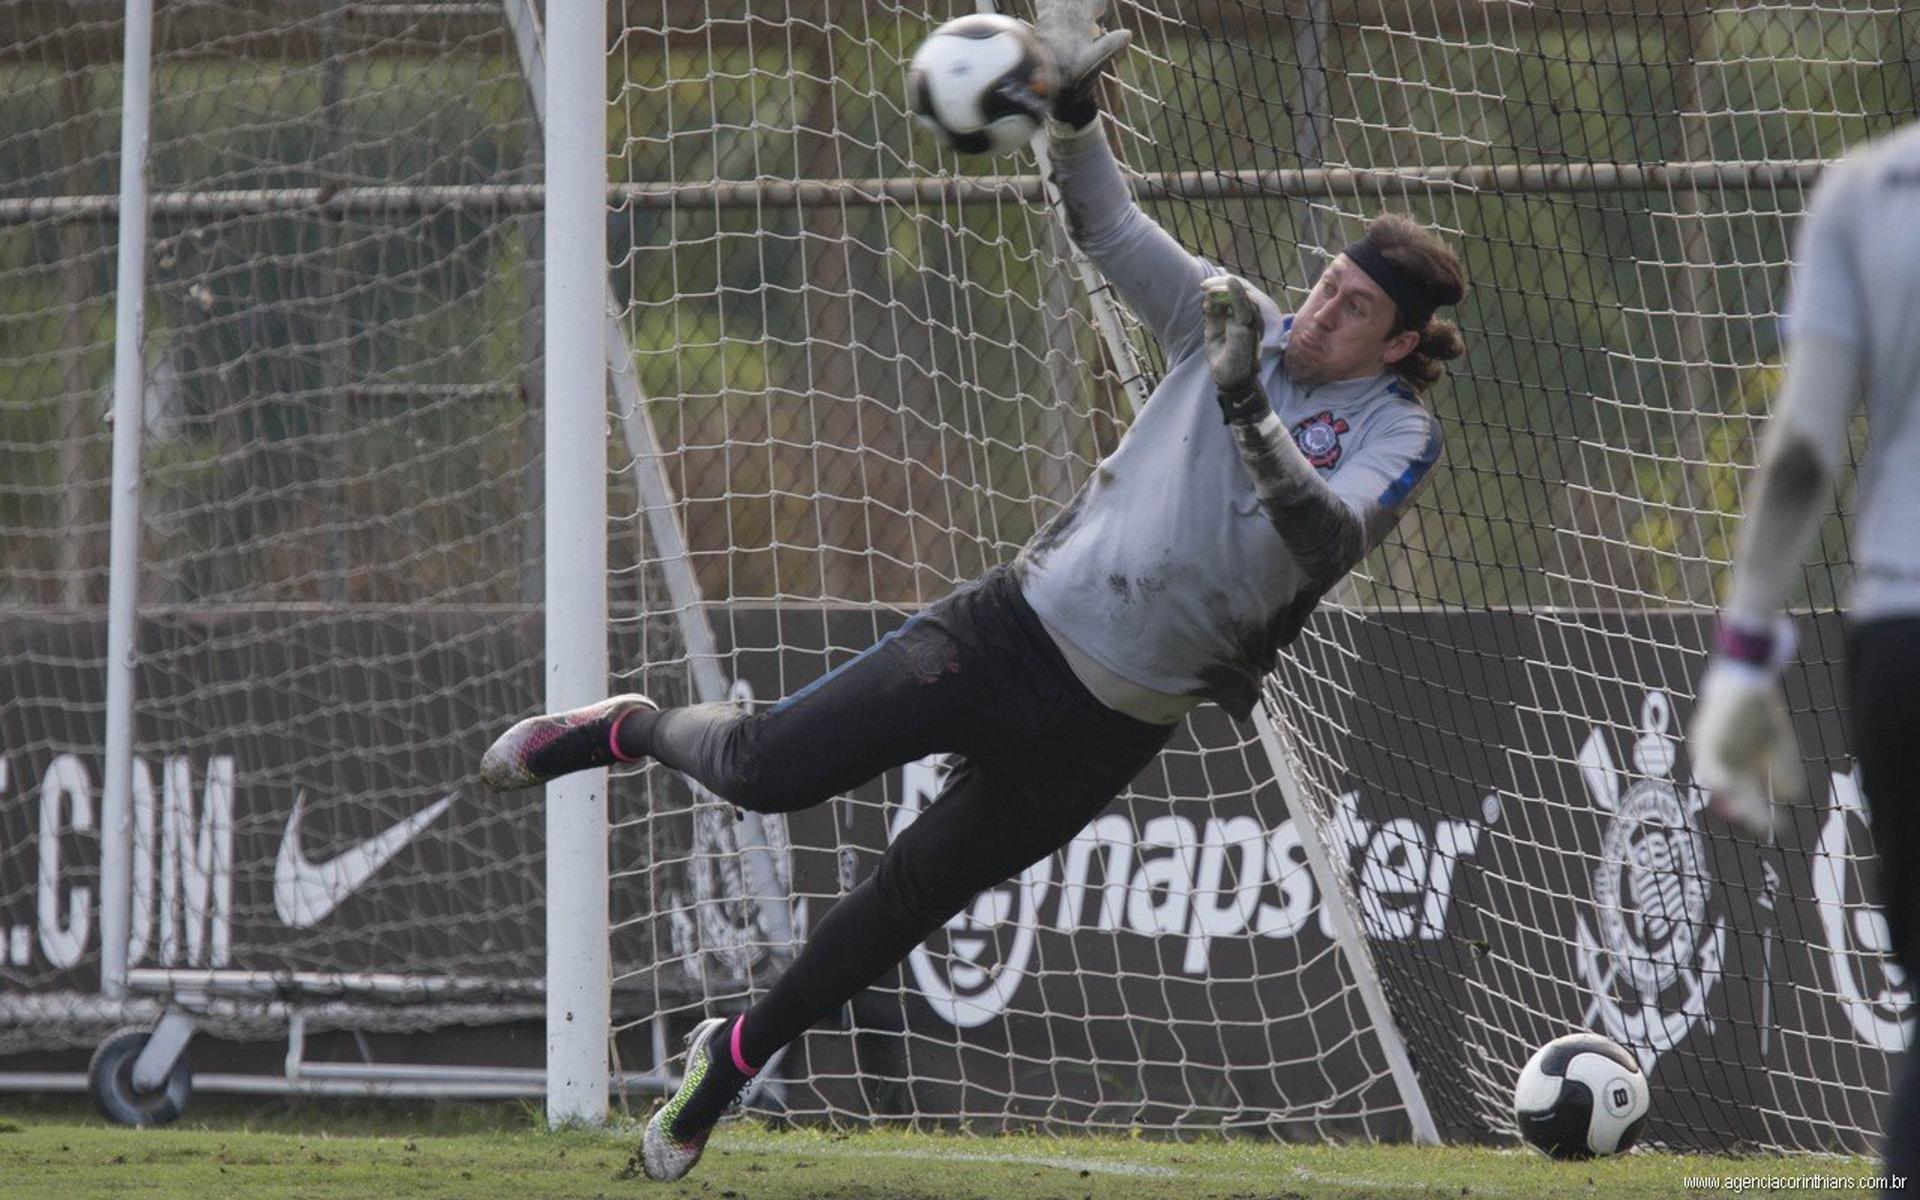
(1307, 366)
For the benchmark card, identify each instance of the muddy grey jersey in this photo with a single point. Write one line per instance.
(1857, 280)
(1164, 569)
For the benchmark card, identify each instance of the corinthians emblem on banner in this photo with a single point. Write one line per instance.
(1655, 955)
(1877, 995)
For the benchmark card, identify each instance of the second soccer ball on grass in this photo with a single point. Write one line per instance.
(1581, 1096)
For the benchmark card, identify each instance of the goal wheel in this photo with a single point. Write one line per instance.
(110, 1080)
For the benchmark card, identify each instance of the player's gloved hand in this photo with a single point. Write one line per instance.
(1744, 751)
(1071, 30)
(1233, 329)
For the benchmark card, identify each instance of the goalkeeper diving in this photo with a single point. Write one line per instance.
(1277, 450)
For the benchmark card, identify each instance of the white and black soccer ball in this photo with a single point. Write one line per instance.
(1581, 1096)
(975, 80)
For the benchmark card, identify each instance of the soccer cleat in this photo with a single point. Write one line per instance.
(555, 744)
(678, 1132)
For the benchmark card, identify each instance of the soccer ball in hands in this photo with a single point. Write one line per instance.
(1580, 1096)
(977, 83)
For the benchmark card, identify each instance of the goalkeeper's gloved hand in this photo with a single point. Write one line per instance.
(1081, 53)
(1744, 751)
(1233, 329)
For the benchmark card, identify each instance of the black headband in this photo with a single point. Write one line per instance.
(1415, 305)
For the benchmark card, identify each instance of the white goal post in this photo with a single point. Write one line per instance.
(578, 963)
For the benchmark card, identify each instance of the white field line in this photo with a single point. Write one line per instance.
(1362, 1181)
(1091, 1166)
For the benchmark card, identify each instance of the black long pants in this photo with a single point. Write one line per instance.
(1883, 668)
(975, 675)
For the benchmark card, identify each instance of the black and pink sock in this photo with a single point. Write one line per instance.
(631, 737)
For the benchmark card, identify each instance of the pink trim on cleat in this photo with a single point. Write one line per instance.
(664, 1156)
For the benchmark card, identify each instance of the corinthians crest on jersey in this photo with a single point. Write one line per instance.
(1653, 952)
(1319, 438)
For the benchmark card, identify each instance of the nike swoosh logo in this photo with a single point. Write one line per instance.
(305, 892)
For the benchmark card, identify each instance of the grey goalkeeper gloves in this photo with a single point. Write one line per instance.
(1077, 102)
(1071, 30)
(1233, 330)
(1322, 533)
(1744, 751)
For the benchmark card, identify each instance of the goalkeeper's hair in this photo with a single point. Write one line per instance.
(1432, 264)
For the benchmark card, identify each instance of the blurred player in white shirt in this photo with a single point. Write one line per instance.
(1852, 329)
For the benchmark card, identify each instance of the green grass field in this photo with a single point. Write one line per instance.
(57, 1150)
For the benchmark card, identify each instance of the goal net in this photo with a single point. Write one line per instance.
(854, 373)
(872, 386)
(338, 549)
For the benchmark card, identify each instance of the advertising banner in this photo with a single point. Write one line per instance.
(1509, 793)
